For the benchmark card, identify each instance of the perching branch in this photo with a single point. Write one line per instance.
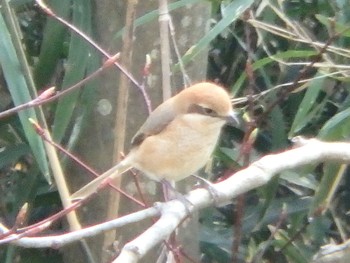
(174, 212)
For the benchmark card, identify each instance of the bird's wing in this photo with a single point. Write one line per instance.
(155, 123)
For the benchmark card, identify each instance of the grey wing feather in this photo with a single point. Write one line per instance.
(155, 123)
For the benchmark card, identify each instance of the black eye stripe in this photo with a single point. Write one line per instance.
(195, 108)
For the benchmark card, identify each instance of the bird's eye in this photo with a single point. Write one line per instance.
(195, 108)
(208, 111)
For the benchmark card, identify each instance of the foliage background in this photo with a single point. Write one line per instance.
(285, 221)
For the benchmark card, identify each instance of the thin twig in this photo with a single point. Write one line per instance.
(49, 12)
(41, 101)
(185, 78)
(247, 140)
(41, 133)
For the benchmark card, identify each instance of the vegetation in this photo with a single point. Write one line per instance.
(284, 61)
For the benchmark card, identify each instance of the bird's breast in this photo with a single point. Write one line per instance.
(180, 150)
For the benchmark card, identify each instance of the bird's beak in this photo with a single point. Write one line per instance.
(233, 119)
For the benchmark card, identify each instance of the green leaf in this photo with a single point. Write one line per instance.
(305, 112)
(344, 30)
(11, 153)
(152, 15)
(336, 128)
(333, 173)
(272, 59)
(308, 181)
(87, 96)
(233, 11)
(52, 45)
(20, 94)
(292, 251)
(79, 52)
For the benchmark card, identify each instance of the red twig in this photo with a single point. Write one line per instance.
(41, 133)
(49, 95)
(49, 12)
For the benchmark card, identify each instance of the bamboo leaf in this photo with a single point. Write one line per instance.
(152, 15)
(337, 127)
(331, 178)
(79, 52)
(267, 60)
(305, 110)
(52, 45)
(12, 152)
(233, 11)
(342, 29)
(20, 94)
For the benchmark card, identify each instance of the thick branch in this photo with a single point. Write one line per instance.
(56, 241)
(174, 212)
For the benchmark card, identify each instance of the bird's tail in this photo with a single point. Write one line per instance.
(91, 187)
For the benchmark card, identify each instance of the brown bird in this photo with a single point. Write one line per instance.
(177, 138)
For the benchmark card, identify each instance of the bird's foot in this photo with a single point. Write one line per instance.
(176, 195)
(211, 189)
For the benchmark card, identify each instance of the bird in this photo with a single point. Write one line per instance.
(177, 139)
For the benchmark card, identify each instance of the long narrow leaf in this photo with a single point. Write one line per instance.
(20, 94)
(233, 11)
(337, 127)
(52, 45)
(76, 66)
(267, 60)
(303, 117)
(152, 15)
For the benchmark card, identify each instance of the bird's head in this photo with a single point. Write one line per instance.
(208, 99)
